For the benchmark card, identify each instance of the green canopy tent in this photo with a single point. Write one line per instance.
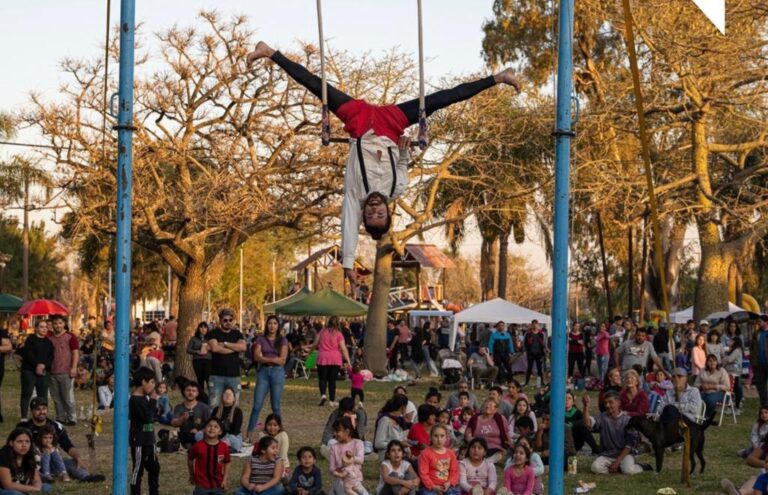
(274, 307)
(9, 303)
(327, 302)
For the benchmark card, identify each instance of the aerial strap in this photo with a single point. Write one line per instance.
(325, 132)
(422, 108)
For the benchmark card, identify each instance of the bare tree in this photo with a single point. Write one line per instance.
(220, 153)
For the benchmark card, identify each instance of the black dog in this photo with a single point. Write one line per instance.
(665, 435)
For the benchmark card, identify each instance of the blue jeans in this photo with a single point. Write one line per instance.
(45, 489)
(51, 464)
(270, 379)
(275, 490)
(602, 366)
(74, 471)
(666, 362)
(711, 399)
(218, 384)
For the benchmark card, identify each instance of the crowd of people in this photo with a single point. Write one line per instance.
(447, 444)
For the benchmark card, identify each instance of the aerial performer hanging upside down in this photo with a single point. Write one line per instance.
(373, 175)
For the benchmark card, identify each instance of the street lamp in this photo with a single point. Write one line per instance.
(4, 260)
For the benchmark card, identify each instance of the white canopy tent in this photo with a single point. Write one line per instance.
(687, 314)
(497, 310)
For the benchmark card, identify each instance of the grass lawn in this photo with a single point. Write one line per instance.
(304, 422)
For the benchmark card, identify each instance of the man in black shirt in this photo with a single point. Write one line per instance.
(225, 344)
(36, 359)
(76, 466)
(141, 434)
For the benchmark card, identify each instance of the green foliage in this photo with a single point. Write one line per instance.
(45, 276)
(259, 252)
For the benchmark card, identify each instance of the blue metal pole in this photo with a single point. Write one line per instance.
(563, 135)
(123, 262)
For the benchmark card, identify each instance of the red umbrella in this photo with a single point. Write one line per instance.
(38, 307)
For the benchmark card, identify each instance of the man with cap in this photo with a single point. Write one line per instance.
(225, 343)
(682, 401)
(76, 466)
(758, 357)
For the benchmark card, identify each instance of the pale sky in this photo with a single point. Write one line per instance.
(37, 34)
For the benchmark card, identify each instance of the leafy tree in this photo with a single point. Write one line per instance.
(45, 258)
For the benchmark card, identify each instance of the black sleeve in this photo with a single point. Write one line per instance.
(237, 422)
(48, 345)
(318, 486)
(64, 441)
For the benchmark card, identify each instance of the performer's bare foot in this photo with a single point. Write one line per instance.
(262, 50)
(507, 76)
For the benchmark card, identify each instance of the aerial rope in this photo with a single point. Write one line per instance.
(325, 132)
(422, 137)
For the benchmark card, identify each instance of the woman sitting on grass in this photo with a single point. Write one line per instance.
(18, 469)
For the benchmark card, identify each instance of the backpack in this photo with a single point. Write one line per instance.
(168, 442)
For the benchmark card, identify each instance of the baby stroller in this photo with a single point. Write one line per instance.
(451, 373)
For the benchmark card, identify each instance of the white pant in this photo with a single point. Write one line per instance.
(627, 466)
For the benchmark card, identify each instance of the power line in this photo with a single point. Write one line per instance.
(31, 145)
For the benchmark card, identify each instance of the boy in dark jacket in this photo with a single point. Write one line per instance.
(36, 359)
(306, 478)
(141, 437)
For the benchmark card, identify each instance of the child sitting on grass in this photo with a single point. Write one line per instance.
(273, 427)
(438, 467)
(263, 472)
(208, 461)
(519, 478)
(51, 463)
(396, 475)
(477, 475)
(346, 460)
(306, 478)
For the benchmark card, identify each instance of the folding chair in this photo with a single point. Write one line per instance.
(300, 368)
(310, 364)
(727, 402)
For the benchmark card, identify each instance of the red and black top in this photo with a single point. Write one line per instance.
(209, 461)
(360, 116)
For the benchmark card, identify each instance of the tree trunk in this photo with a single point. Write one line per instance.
(174, 295)
(376, 325)
(25, 244)
(488, 256)
(712, 286)
(503, 261)
(191, 297)
(606, 283)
